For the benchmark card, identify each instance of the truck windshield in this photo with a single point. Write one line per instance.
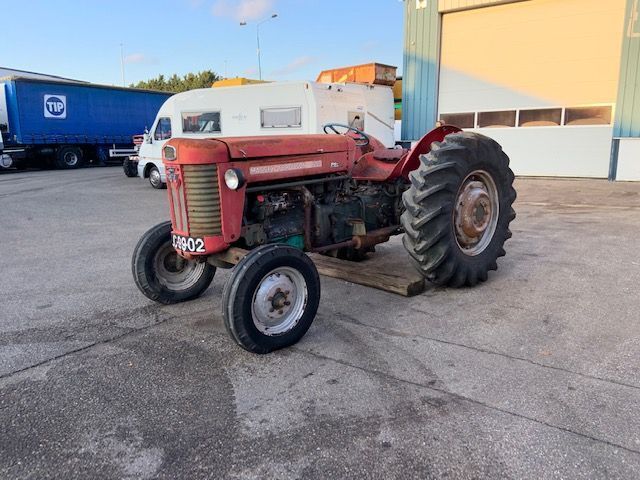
(201, 122)
(163, 130)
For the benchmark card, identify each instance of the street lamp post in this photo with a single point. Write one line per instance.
(242, 24)
(122, 64)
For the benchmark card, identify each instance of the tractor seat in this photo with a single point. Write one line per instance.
(390, 155)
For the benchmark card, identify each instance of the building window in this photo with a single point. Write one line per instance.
(588, 116)
(541, 117)
(462, 120)
(506, 118)
(163, 129)
(201, 122)
(289, 117)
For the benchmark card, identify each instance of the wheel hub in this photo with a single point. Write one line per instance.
(155, 177)
(476, 212)
(173, 262)
(475, 209)
(175, 272)
(279, 301)
(70, 158)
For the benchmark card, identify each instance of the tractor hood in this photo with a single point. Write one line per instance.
(241, 148)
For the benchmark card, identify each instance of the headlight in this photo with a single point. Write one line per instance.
(169, 152)
(233, 179)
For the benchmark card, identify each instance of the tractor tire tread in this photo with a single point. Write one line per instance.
(429, 201)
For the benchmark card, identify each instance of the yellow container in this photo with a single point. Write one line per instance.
(236, 82)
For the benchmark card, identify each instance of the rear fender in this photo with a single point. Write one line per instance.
(423, 146)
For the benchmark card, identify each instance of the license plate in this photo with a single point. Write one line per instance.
(188, 244)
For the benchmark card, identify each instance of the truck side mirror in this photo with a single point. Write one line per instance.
(146, 137)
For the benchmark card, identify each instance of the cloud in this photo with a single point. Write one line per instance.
(295, 65)
(138, 58)
(242, 10)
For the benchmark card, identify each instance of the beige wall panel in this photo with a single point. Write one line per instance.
(531, 53)
(449, 5)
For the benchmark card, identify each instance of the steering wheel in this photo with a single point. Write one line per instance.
(362, 139)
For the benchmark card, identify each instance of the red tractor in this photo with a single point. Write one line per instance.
(261, 202)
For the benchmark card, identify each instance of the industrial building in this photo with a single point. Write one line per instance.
(556, 82)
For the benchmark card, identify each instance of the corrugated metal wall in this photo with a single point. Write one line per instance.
(627, 121)
(422, 61)
(421, 64)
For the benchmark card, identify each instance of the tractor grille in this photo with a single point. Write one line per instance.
(202, 200)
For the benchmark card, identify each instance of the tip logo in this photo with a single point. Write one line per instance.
(55, 106)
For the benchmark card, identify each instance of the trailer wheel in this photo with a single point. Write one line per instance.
(68, 158)
(155, 179)
(271, 298)
(458, 210)
(164, 276)
(130, 167)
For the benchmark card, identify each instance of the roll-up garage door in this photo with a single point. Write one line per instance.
(539, 76)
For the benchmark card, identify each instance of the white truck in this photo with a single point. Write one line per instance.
(265, 109)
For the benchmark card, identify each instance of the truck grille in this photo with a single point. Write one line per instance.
(202, 200)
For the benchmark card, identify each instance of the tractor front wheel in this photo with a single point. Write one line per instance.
(164, 276)
(271, 298)
(458, 210)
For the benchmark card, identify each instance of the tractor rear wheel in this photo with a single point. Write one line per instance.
(164, 276)
(271, 298)
(458, 210)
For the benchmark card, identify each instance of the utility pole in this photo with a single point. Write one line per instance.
(242, 24)
(122, 63)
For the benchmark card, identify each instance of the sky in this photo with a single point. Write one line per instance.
(81, 39)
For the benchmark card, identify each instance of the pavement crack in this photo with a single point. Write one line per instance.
(340, 317)
(82, 349)
(468, 399)
(111, 339)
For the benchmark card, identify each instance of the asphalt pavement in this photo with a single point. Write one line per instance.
(534, 374)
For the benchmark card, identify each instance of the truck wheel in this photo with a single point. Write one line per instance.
(271, 298)
(458, 210)
(164, 276)
(130, 167)
(68, 158)
(155, 179)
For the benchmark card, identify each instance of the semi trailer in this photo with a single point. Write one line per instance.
(62, 124)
